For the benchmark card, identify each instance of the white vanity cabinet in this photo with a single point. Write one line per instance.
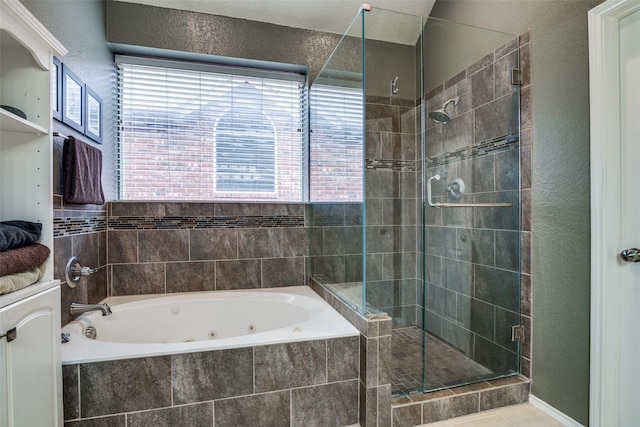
(30, 366)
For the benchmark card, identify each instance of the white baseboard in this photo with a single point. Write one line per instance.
(553, 412)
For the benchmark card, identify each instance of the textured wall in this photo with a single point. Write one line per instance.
(560, 188)
(140, 25)
(79, 230)
(79, 26)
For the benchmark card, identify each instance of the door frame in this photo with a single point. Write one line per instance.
(606, 296)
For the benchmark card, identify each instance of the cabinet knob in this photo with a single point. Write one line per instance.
(11, 334)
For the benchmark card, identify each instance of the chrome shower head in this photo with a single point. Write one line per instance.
(440, 115)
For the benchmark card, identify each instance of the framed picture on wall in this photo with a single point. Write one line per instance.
(73, 100)
(93, 116)
(56, 89)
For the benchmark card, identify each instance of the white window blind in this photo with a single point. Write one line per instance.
(196, 132)
(336, 144)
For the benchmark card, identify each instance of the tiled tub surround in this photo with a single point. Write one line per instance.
(309, 383)
(375, 359)
(80, 230)
(158, 247)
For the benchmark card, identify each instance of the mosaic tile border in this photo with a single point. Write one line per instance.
(69, 226)
(492, 146)
(199, 222)
(395, 165)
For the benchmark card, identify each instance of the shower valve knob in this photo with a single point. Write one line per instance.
(631, 255)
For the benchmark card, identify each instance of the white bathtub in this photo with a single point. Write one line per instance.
(153, 325)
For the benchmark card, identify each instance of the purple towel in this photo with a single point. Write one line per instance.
(82, 165)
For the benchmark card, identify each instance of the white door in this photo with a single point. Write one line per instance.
(614, 61)
(630, 217)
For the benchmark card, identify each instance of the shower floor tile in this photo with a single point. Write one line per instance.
(446, 366)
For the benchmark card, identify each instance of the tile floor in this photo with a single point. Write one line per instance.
(406, 362)
(523, 415)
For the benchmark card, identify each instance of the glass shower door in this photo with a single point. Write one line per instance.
(472, 206)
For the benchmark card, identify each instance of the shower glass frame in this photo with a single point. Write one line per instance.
(484, 307)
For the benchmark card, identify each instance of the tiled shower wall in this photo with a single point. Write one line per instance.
(392, 210)
(473, 253)
(393, 207)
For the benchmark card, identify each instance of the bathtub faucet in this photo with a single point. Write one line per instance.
(77, 308)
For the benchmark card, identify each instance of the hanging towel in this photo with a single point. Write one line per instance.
(82, 165)
(21, 259)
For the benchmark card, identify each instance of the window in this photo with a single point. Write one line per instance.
(197, 132)
(336, 144)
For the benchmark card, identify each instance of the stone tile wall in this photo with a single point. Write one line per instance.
(474, 254)
(312, 383)
(183, 247)
(393, 207)
(375, 360)
(80, 230)
(335, 241)
(441, 405)
(392, 215)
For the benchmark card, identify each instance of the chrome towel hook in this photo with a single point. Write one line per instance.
(394, 86)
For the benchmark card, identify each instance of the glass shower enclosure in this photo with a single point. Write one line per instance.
(415, 192)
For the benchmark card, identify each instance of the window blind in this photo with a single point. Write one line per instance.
(336, 144)
(196, 132)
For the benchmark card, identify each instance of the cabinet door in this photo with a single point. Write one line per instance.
(32, 367)
(4, 397)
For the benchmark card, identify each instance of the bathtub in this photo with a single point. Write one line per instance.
(164, 324)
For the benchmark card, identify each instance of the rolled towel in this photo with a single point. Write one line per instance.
(14, 234)
(14, 282)
(22, 259)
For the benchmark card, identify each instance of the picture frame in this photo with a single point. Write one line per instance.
(73, 100)
(56, 89)
(93, 115)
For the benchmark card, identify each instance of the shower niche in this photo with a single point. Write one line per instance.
(415, 193)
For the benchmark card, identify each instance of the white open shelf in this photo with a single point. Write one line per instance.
(9, 122)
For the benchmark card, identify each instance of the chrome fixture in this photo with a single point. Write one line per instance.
(459, 205)
(631, 255)
(74, 271)
(77, 308)
(440, 115)
(394, 86)
(455, 189)
(65, 337)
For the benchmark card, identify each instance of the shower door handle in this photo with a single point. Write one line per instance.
(431, 203)
(630, 255)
